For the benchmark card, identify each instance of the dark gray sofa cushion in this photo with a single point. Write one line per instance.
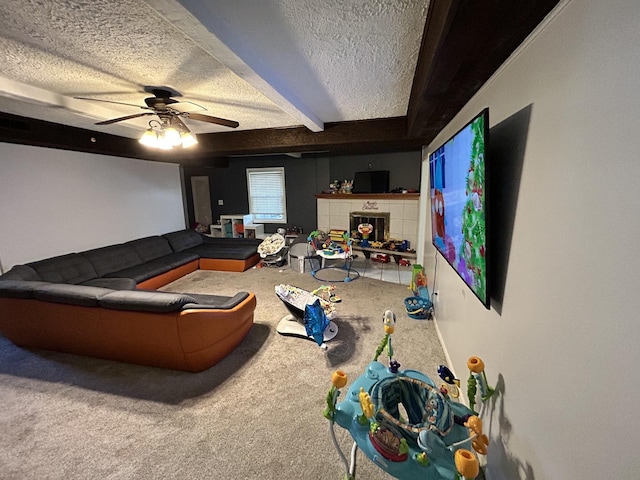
(230, 251)
(148, 270)
(183, 239)
(113, 258)
(216, 301)
(70, 294)
(19, 288)
(150, 248)
(225, 241)
(21, 272)
(70, 268)
(145, 301)
(115, 283)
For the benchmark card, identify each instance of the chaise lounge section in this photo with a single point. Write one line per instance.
(101, 302)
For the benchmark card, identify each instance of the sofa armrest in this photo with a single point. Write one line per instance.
(19, 288)
(146, 301)
(216, 302)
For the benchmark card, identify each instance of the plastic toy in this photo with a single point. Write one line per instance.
(418, 306)
(403, 422)
(365, 230)
(327, 293)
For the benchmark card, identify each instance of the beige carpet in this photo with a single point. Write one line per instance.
(255, 415)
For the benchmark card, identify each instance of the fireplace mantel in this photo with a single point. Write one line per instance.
(334, 212)
(377, 196)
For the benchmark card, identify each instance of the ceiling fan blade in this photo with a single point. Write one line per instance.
(186, 106)
(120, 119)
(210, 119)
(110, 101)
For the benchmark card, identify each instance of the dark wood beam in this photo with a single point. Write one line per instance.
(463, 44)
(29, 131)
(362, 136)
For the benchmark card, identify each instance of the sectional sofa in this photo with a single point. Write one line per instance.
(102, 303)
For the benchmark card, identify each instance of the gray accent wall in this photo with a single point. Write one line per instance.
(305, 177)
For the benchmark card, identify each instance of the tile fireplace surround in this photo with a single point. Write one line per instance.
(334, 212)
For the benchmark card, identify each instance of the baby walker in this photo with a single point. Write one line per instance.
(404, 423)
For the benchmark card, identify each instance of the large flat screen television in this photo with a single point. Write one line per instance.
(457, 170)
(371, 181)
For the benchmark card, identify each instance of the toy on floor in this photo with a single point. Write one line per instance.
(309, 315)
(404, 423)
(327, 293)
(419, 306)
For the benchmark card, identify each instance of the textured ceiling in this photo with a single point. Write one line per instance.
(265, 64)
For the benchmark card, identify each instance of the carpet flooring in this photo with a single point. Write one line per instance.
(255, 415)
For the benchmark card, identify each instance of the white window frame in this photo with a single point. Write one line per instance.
(261, 216)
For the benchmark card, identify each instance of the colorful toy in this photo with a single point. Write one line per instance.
(327, 293)
(419, 306)
(365, 230)
(434, 441)
(477, 376)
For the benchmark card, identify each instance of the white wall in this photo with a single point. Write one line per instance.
(565, 344)
(54, 202)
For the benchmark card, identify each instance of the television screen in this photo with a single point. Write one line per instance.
(458, 203)
(371, 181)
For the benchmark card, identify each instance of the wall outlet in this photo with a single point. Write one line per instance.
(220, 202)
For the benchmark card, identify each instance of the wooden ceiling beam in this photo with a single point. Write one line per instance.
(365, 136)
(463, 44)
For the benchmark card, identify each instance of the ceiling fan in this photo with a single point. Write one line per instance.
(164, 106)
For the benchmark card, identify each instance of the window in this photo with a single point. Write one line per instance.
(267, 196)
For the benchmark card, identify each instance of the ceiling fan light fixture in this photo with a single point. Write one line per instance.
(163, 144)
(172, 137)
(149, 138)
(188, 139)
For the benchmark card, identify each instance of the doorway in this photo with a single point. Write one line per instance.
(201, 200)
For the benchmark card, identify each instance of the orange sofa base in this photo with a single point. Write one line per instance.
(191, 340)
(168, 277)
(227, 265)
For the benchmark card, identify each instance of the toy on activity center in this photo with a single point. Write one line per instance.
(418, 306)
(436, 440)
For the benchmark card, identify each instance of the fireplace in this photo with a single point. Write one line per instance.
(379, 220)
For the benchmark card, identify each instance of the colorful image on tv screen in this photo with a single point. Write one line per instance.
(457, 172)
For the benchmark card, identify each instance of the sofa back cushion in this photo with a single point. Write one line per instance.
(70, 268)
(21, 272)
(183, 239)
(113, 258)
(150, 248)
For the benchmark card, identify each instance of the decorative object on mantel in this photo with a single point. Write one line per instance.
(346, 187)
(334, 187)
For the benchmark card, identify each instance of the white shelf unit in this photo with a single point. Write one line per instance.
(237, 226)
(252, 230)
